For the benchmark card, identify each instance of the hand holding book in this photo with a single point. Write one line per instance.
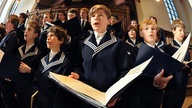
(161, 60)
(160, 81)
(94, 96)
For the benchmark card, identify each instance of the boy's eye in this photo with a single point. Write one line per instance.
(52, 35)
(29, 29)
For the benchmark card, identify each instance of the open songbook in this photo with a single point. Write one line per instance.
(161, 60)
(94, 96)
(181, 52)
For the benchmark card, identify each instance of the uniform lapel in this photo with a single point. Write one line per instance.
(105, 42)
(56, 61)
(31, 52)
(175, 44)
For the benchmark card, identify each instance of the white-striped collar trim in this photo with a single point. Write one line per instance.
(23, 56)
(47, 66)
(161, 44)
(100, 47)
(173, 45)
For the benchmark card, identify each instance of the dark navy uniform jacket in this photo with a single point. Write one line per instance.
(105, 63)
(31, 58)
(47, 88)
(41, 40)
(176, 89)
(142, 93)
(23, 84)
(10, 42)
(172, 48)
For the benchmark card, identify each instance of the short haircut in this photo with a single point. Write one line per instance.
(35, 18)
(130, 27)
(177, 23)
(133, 20)
(59, 32)
(14, 19)
(49, 14)
(85, 9)
(100, 7)
(23, 15)
(153, 18)
(35, 25)
(146, 22)
(74, 10)
(64, 14)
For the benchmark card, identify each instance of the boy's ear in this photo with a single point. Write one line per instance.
(61, 41)
(36, 35)
(173, 31)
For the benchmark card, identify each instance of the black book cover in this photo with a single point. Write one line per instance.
(73, 27)
(160, 61)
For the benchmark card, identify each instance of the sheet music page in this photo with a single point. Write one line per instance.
(181, 52)
(80, 87)
(130, 76)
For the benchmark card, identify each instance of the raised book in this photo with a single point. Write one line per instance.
(94, 96)
(181, 52)
(160, 61)
(170, 64)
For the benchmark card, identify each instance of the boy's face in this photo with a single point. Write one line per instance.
(83, 14)
(134, 23)
(52, 41)
(132, 34)
(179, 34)
(149, 34)
(152, 19)
(46, 18)
(29, 34)
(9, 26)
(61, 17)
(21, 19)
(99, 21)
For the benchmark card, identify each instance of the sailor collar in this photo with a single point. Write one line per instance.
(47, 66)
(173, 45)
(23, 55)
(160, 44)
(99, 48)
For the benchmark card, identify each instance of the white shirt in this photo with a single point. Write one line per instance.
(134, 41)
(153, 46)
(99, 36)
(51, 55)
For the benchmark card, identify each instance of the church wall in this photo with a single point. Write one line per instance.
(145, 8)
(25, 5)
